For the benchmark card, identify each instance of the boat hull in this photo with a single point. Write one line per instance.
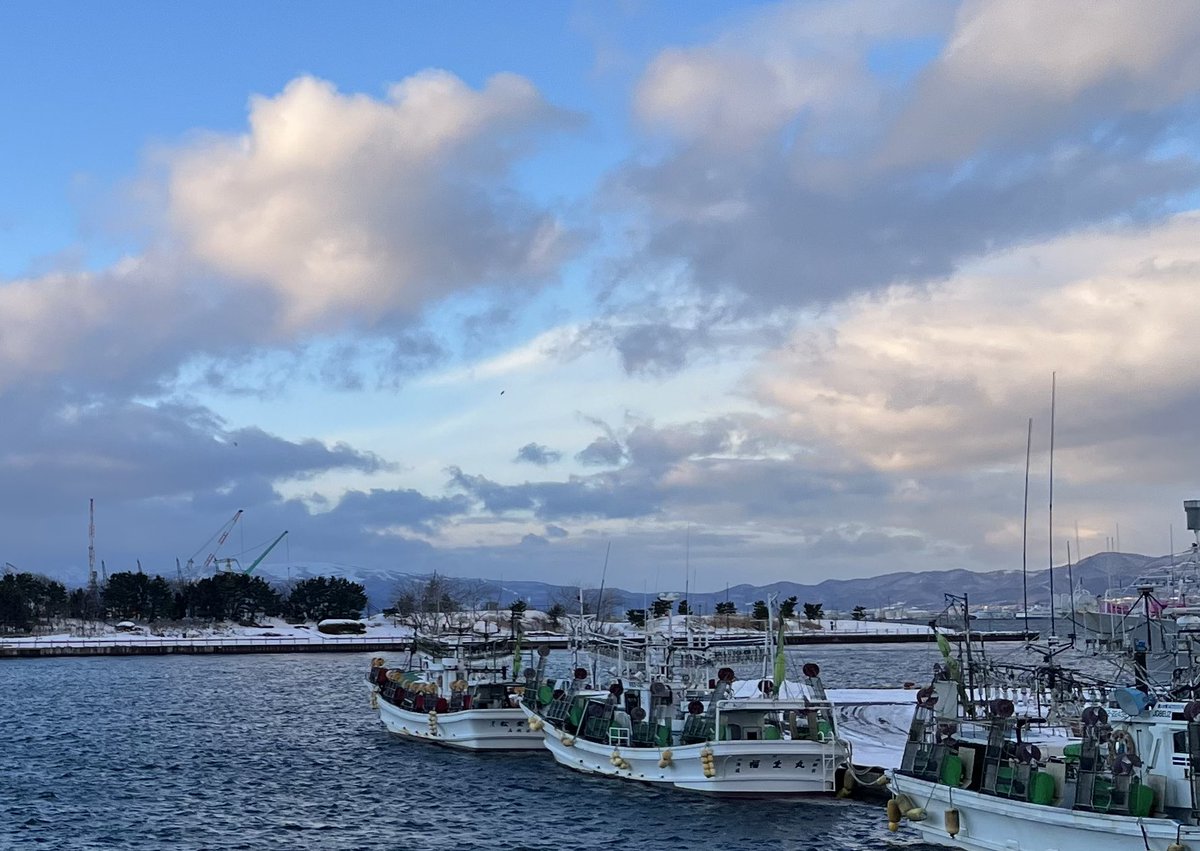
(738, 768)
(989, 823)
(470, 729)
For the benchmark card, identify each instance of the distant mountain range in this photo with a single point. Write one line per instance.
(923, 590)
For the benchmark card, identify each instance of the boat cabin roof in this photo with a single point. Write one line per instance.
(768, 705)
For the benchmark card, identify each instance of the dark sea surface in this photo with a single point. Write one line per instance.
(284, 752)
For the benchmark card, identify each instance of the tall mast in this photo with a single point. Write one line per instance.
(1025, 531)
(1051, 520)
(687, 574)
(1071, 582)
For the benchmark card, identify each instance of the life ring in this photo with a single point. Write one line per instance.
(1122, 742)
(811, 669)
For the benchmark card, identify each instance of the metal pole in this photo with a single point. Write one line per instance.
(1053, 381)
(1025, 531)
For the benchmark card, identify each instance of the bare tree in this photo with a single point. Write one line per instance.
(594, 602)
(436, 603)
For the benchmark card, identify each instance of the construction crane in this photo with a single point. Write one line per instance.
(221, 535)
(230, 562)
(258, 560)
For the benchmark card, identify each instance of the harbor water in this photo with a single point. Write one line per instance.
(284, 752)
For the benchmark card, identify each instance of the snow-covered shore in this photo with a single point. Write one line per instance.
(382, 632)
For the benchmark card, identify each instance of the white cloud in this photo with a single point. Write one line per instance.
(96, 330)
(794, 59)
(351, 208)
(332, 213)
(942, 378)
(1016, 68)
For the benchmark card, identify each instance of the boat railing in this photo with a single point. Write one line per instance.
(696, 729)
(619, 736)
(556, 711)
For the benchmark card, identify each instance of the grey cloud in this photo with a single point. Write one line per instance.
(654, 348)
(693, 471)
(656, 447)
(380, 509)
(601, 452)
(600, 496)
(753, 516)
(803, 203)
(164, 477)
(56, 450)
(536, 453)
(863, 543)
(794, 244)
(495, 497)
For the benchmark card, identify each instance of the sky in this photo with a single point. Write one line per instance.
(673, 294)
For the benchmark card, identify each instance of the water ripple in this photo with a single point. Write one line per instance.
(283, 752)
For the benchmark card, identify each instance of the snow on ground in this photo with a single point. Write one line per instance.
(80, 634)
(384, 628)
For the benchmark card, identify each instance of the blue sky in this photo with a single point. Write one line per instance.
(483, 288)
(88, 87)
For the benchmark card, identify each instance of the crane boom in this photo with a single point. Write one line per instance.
(224, 534)
(265, 552)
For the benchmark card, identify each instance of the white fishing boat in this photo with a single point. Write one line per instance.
(1065, 767)
(663, 720)
(743, 739)
(448, 700)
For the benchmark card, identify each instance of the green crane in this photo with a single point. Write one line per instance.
(265, 553)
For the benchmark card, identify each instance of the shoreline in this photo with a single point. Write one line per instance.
(35, 648)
